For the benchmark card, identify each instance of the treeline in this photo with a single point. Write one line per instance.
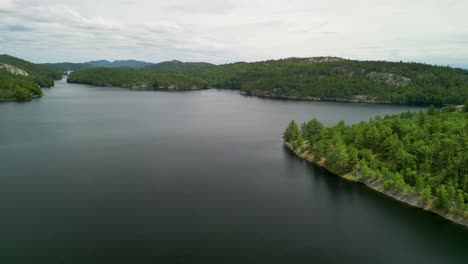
(20, 86)
(423, 154)
(179, 66)
(68, 66)
(324, 78)
(135, 78)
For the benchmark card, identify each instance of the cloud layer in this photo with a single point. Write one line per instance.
(225, 31)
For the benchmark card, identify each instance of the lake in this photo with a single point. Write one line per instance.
(109, 175)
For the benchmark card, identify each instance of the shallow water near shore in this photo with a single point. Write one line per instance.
(109, 175)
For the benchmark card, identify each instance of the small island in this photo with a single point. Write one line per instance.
(419, 158)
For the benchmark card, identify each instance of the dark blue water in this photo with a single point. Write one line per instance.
(108, 175)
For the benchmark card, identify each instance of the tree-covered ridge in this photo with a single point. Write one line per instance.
(166, 66)
(330, 78)
(420, 155)
(21, 80)
(179, 66)
(137, 78)
(340, 79)
(68, 66)
(72, 66)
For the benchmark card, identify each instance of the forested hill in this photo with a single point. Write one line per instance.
(419, 158)
(166, 66)
(21, 80)
(319, 78)
(177, 66)
(137, 79)
(168, 75)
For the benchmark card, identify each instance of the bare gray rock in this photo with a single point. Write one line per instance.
(389, 78)
(13, 70)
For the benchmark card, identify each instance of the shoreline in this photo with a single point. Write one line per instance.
(411, 200)
(264, 96)
(319, 99)
(4, 100)
(143, 88)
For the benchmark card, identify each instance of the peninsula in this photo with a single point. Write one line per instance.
(418, 158)
(21, 80)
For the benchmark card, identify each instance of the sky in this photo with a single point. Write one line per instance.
(223, 31)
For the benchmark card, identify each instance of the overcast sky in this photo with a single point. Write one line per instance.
(239, 30)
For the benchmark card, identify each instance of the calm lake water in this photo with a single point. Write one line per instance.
(108, 175)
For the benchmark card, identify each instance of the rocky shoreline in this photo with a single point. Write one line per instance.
(377, 185)
(358, 98)
(144, 87)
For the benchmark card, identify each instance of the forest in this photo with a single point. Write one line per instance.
(25, 85)
(417, 154)
(137, 79)
(319, 78)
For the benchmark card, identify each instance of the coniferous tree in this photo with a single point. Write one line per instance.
(292, 132)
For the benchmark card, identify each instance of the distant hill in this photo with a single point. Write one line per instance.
(170, 66)
(21, 80)
(70, 66)
(168, 75)
(176, 65)
(120, 64)
(316, 78)
(463, 66)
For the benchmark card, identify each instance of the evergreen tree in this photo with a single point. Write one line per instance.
(426, 195)
(292, 132)
(460, 203)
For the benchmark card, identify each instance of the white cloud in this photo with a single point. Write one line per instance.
(6, 4)
(224, 31)
(163, 27)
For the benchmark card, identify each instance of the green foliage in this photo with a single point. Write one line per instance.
(314, 78)
(22, 87)
(337, 159)
(179, 66)
(14, 87)
(421, 153)
(442, 198)
(460, 203)
(426, 195)
(136, 78)
(292, 132)
(312, 129)
(364, 170)
(22, 94)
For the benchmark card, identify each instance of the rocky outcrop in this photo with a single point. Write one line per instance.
(13, 70)
(389, 78)
(324, 59)
(171, 87)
